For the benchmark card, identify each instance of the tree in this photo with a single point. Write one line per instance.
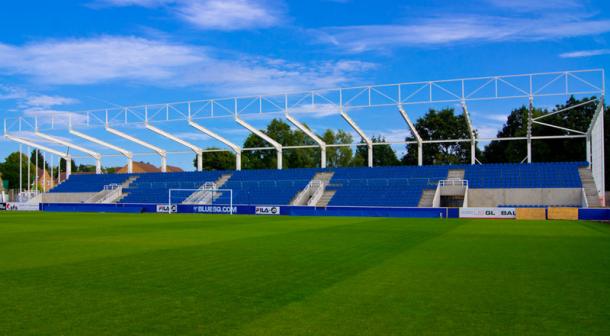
(220, 160)
(440, 125)
(10, 170)
(62, 165)
(41, 160)
(543, 150)
(338, 156)
(383, 155)
(283, 134)
(85, 168)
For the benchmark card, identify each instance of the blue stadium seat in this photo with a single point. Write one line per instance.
(88, 182)
(380, 186)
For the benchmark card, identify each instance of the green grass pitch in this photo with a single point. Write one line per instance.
(110, 274)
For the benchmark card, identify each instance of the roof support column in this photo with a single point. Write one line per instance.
(277, 145)
(420, 149)
(473, 140)
(366, 139)
(312, 135)
(162, 153)
(89, 138)
(198, 151)
(29, 143)
(236, 149)
(530, 114)
(97, 156)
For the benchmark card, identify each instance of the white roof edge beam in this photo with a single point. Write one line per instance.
(473, 139)
(97, 156)
(65, 156)
(275, 144)
(367, 140)
(124, 152)
(198, 150)
(313, 136)
(236, 149)
(162, 153)
(420, 148)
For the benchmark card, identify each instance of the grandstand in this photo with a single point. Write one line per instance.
(537, 184)
(525, 184)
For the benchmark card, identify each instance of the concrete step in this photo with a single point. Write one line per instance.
(304, 197)
(588, 183)
(455, 174)
(129, 181)
(427, 198)
(326, 197)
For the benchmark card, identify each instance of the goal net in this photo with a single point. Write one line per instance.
(207, 195)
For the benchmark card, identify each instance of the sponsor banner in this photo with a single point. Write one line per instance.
(2, 206)
(166, 208)
(267, 210)
(215, 209)
(21, 207)
(488, 213)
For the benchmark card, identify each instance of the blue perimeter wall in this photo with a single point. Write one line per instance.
(251, 210)
(584, 214)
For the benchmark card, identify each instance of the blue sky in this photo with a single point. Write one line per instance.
(80, 55)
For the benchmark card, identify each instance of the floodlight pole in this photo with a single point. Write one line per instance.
(366, 139)
(312, 135)
(198, 151)
(162, 153)
(420, 149)
(29, 143)
(473, 140)
(97, 156)
(236, 149)
(275, 144)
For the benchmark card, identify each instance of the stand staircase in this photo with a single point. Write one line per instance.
(427, 198)
(314, 191)
(455, 174)
(206, 196)
(124, 185)
(588, 185)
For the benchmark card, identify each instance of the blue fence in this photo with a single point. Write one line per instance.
(583, 214)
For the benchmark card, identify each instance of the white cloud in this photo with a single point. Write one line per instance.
(535, 6)
(83, 61)
(585, 53)
(159, 63)
(48, 101)
(226, 15)
(451, 29)
(316, 111)
(11, 92)
(229, 14)
(125, 3)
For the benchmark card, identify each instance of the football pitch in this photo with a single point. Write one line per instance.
(111, 274)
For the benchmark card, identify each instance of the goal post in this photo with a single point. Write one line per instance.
(201, 196)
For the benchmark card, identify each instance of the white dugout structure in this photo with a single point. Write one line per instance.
(26, 131)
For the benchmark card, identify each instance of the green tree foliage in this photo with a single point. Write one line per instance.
(543, 150)
(40, 160)
(338, 156)
(10, 170)
(383, 155)
(221, 160)
(62, 164)
(282, 133)
(85, 168)
(440, 125)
